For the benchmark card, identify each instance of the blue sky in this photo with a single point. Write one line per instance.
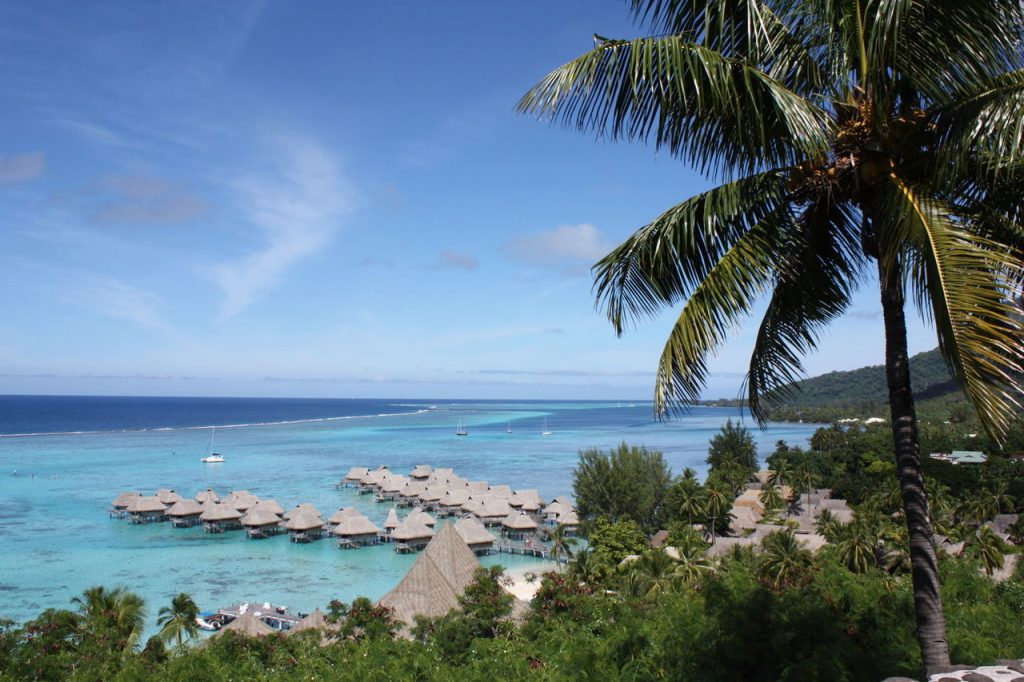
(323, 199)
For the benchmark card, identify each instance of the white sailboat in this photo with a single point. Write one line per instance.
(545, 432)
(461, 431)
(509, 426)
(211, 456)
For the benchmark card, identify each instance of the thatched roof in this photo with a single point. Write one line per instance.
(433, 493)
(392, 520)
(420, 516)
(524, 497)
(422, 471)
(144, 503)
(337, 516)
(268, 505)
(305, 507)
(413, 488)
(477, 487)
(501, 491)
(168, 497)
(518, 520)
(242, 500)
(356, 473)
(556, 508)
(304, 520)
(494, 508)
(355, 525)
(248, 624)
(411, 529)
(376, 477)
(441, 475)
(257, 517)
(314, 621)
(185, 508)
(570, 518)
(122, 500)
(473, 532)
(433, 585)
(219, 512)
(394, 484)
(207, 495)
(455, 498)
(564, 501)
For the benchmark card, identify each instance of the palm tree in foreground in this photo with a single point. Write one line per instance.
(118, 614)
(178, 622)
(859, 140)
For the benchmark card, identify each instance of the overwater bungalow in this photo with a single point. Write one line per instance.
(527, 500)
(354, 477)
(261, 523)
(168, 497)
(411, 535)
(313, 621)
(553, 511)
(492, 511)
(501, 491)
(441, 475)
(410, 493)
(249, 625)
(453, 500)
(473, 533)
(373, 480)
(356, 530)
(119, 507)
(391, 488)
(304, 508)
(219, 517)
(305, 526)
(477, 487)
(185, 514)
(146, 509)
(518, 525)
(421, 472)
(337, 517)
(391, 522)
(242, 500)
(206, 496)
(435, 582)
(421, 516)
(571, 522)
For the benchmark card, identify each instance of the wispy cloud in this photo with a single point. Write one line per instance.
(21, 167)
(450, 259)
(373, 261)
(133, 198)
(566, 247)
(113, 298)
(296, 212)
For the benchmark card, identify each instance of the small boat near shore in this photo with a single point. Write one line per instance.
(211, 456)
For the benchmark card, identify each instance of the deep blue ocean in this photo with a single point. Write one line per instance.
(56, 486)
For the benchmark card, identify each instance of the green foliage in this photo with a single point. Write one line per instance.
(625, 483)
(611, 542)
(733, 447)
(178, 622)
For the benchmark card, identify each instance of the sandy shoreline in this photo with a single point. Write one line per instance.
(521, 586)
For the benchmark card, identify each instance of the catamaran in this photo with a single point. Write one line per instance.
(509, 426)
(545, 432)
(461, 431)
(211, 456)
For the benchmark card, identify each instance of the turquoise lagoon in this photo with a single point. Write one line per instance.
(57, 539)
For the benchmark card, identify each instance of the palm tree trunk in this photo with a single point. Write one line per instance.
(931, 623)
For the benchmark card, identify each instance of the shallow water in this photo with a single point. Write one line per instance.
(57, 539)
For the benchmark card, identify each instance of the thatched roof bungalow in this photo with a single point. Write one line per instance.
(356, 529)
(146, 509)
(454, 499)
(247, 624)
(336, 518)
(412, 534)
(501, 491)
(518, 525)
(305, 526)
(441, 475)
(185, 514)
(473, 533)
(492, 511)
(391, 522)
(120, 502)
(355, 475)
(313, 621)
(420, 516)
(242, 500)
(269, 506)
(168, 496)
(433, 585)
(527, 500)
(219, 517)
(261, 523)
(304, 508)
(477, 487)
(421, 472)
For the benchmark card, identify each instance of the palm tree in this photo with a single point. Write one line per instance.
(561, 544)
(987, 547)
(857, 547)
(118, 612)
(718, 505)
(693, 563)
(828, 526)
(779, 474)
(771, 498)
(857, 140)
(782, 558)
(692, 501)
(178, 621)
(652, 573)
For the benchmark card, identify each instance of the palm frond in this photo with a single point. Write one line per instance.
(968, 286)
(817, 275)
(726, 293)
(665, 260)
(720, 114)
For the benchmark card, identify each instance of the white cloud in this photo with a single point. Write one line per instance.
(111, 297)
(563, 246)
(296, 212)
(450, 259)
(21, 167)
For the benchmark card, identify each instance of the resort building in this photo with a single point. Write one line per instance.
(419, 516)
(411, 535)
(304, 525)
(247, 624)
(391, 522)
(355, 530)
(242, 500)
(185, 514)
(313, 621)
(261, 523)
(518, 525)
(527, 500)
(433, 585)
(268, 506)
(473, 533)
(143, 509)
(206, 496)
(391, 488)
(410, 493)
(354, 476)
(119, 507)
(334, 519)
(492, 511)
(453, 500)
(219, 517)
(421, 472)
(304, 508)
